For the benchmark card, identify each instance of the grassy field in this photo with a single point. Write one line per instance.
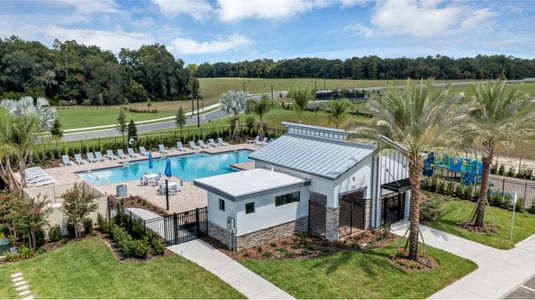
(456, 211)
(88, 269)
(360, 274)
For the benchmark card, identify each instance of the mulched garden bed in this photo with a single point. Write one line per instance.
(138, 202)
(118, 254)
(486, 228)
(303, 246)
(401, 261)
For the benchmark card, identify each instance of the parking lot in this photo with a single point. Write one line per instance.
(525, 291)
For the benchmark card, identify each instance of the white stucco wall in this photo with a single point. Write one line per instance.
(217, 216)
(267, 214)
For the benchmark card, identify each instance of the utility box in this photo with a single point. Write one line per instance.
(122, 190)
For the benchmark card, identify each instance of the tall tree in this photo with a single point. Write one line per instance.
(233, 102)
(78, 203)
(301, 97)
(260, 108)
(121, 123)
(180, 118)
(499, 115)
(412, 120)
(338, 112)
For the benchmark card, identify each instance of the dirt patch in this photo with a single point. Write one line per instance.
(139, 202)
(304, 246)
(401, 261)
(486, 228)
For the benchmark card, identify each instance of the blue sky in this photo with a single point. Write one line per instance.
(231, 30)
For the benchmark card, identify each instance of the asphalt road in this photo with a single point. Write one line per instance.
(102, 133)
(525, 291)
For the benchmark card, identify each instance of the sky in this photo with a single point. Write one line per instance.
(198, 31)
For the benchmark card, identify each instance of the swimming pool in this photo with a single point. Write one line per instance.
(186, 167)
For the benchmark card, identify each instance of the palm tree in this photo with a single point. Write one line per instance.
(498, 116)
(411, 120)
(301, 97)
(338, 112)
(27, 105)
(234, 102)
(19, 136)
(260, 109)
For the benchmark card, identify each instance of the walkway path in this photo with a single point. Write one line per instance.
(499, 272)
(239, 277)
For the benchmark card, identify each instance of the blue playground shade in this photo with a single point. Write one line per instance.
(168, 168)
(150, 160)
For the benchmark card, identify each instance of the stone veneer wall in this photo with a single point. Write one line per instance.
(269, 234)
(332, 223)
(219, 233)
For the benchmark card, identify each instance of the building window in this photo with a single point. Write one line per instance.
(222, 204)
(286, 199)
(249, 208)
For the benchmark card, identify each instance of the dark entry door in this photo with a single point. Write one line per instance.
(316, 213)
(393, 208)
(352, 213)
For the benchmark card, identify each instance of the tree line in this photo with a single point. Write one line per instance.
(374, 67)
(80, 74)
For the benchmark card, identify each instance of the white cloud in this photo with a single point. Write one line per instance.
(188, 46)
(422, 18)
(198, 9)
(89, 6)
(108, 40)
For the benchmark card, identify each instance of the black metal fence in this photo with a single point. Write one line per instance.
(173, 229)
(508, 186)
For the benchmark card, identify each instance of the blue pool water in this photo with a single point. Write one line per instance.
(186, 167)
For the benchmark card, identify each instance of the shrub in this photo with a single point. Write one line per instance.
(40, 237)
(139, 248)
(100, 220)
(273, 245)
(520, 205)
(267, 254)
(511, 172)
(531, 210)
(440, 186)
(501, 169)
(54, 234)
(25, 252)
(493, 169)
(70, 231)
(459, 191)
(88, 225)
(467, 195)
(434, 183)
(505, 201)
(450, 189)
(431, 209)
(11, 257)
(158, 246)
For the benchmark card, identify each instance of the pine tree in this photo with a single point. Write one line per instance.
(56, 130)
(132, 130)
(180, 119)
(121, 123)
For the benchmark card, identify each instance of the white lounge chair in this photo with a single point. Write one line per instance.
(181, 147)
(35, 172)
(212, 143)
(162, 149)
(99, 156)
(131, 152)
(203, 145)
(33, 169)
(43, 183)
(35, 175)
(39, 179)
(143, 151)
(91, 157)
(66, 160)
(192, 145)
(222, 142)
(79, 160)
(257, 141)
(121, 154)
(110, 155)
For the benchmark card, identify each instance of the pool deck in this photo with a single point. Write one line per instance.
(190, 196)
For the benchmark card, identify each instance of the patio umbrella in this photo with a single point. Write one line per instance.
(150, 161)
(168, 173)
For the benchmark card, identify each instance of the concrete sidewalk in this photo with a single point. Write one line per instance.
(239, 277)
(499, 272)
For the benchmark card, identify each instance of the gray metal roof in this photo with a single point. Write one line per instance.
(312, 154)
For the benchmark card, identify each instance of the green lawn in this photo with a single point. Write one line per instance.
(459, 211)
(356, 274)
(88, 269)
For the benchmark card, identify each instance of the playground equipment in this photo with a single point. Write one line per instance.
(470, 170)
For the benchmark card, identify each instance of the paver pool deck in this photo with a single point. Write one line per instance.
(189, 197)
(499, 271)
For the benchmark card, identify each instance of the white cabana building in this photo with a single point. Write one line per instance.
(310, 179)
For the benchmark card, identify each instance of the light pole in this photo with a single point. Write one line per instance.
(198, 114)
(272, 92)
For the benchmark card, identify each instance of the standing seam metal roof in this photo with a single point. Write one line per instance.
(323, 157)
